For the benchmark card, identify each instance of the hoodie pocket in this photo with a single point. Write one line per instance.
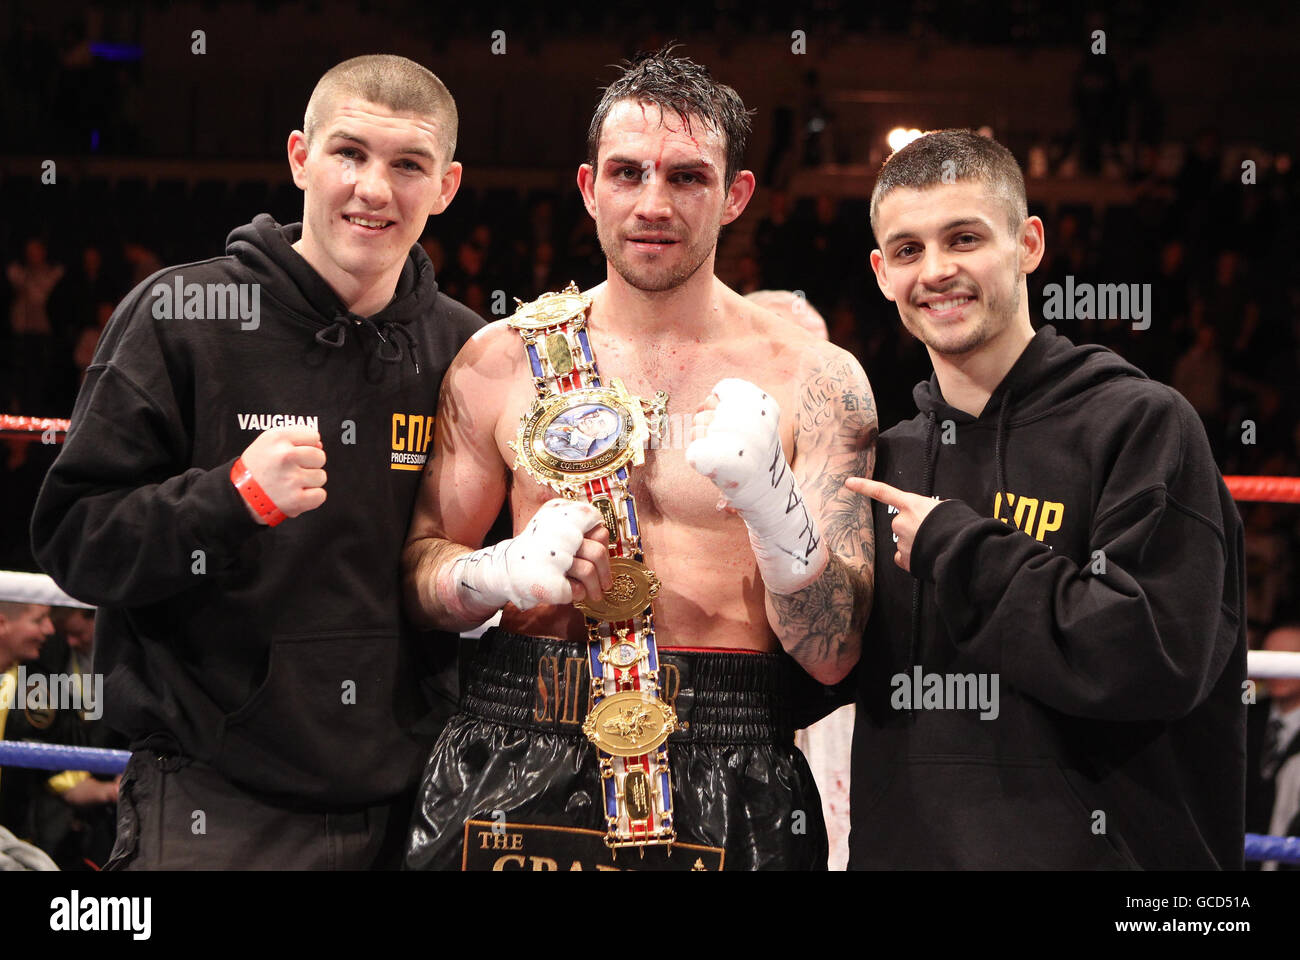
(321, 726)
(985, 813)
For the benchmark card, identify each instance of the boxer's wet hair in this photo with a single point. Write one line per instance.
(950, 156)
(685, 87)
(395, 82)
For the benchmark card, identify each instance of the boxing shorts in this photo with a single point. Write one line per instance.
(513, 784)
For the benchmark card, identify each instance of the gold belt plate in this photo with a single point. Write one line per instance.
(551, 309)
(567, 440)
(632, 588)
(630, 723)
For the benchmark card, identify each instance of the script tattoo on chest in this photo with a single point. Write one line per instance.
(824, 387)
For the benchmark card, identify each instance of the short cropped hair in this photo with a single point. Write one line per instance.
(59, 616)
(949, 156)
(394, 82)
(685, 87)
(13, 609)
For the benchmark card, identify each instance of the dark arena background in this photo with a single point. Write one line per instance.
(1158, 142)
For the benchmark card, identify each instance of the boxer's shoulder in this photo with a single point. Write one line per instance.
(825, 367)
(492, 351)
(472, 389)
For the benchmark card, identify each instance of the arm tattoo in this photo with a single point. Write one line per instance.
(835, 439)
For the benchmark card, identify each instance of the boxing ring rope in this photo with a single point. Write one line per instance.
(1264, 489)
(38, 588)
(33, 428)
(1281, 849)
(19, 587)
(56, 756)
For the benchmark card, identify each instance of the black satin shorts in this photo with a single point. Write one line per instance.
(512, 783)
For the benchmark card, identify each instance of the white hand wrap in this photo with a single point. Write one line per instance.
(527, 570)
(741, 453)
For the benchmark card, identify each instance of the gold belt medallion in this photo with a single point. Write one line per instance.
(630, 723)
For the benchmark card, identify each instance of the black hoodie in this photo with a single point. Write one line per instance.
(1088, 557)
(277, 655)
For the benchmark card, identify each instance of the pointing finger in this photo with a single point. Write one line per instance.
(879, 491)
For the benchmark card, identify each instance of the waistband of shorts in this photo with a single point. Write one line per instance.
(540, 683)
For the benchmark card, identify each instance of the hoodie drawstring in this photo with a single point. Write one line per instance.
(336, 333)
(914, 634)
(399, 329)
(1000, 443)
(338, 326)
(927, 490)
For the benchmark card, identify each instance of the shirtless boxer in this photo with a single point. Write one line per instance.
(744, 519)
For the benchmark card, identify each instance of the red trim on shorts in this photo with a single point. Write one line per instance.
(713, 649)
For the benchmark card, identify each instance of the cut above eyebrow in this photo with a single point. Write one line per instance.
(697, 165)
(951, 225)
(404, 151)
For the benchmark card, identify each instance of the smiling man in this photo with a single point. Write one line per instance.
(1062, 544)
(24, 628)
(249, 629)
(658, 710)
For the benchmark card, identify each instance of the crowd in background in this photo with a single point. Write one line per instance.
(1224, 323)
(1207, 237)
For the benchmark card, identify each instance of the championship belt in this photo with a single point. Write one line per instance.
(580, 438)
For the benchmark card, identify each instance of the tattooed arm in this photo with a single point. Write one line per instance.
(464, 483)
(835, 438)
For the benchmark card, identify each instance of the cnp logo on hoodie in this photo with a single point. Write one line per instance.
(1050, 513)
(412, 434)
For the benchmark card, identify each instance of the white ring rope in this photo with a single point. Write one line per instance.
(1273, 663)
(35, 588)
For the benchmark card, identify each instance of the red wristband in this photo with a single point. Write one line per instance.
(254, 495)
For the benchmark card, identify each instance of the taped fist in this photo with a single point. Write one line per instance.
(733, 437)
(288, 464)
(562, 555)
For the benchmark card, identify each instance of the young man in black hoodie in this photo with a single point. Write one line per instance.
(249, 628)
(1053, 672)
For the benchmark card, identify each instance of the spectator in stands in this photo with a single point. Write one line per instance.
(23, 462)
(1273, 749)
(437, 253)
(775, 241)
(71, 815)
(748, 278)
(141, 262)
(796, 309)
(32, 280)
(24, 627)
(83, 351)
(1198, 376)
(542, 275)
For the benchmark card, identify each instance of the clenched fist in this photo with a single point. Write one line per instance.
(560, 556)
(288, 464)
(733, 437)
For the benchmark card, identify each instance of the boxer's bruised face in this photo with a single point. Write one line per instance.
(658, 196)
(951, 263)
(371, 177)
